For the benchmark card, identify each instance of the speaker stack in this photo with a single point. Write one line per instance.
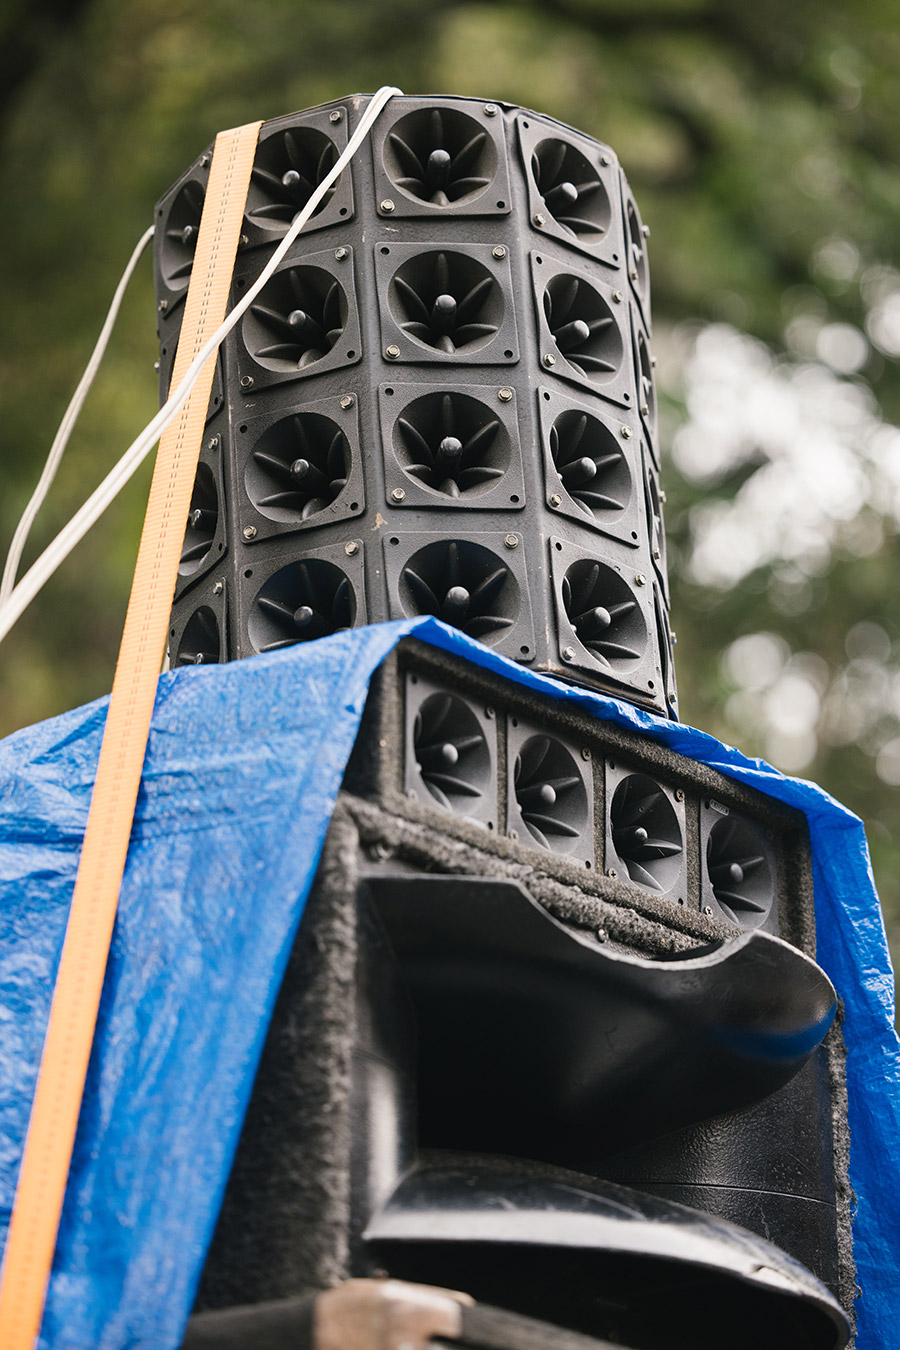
(552, 1034)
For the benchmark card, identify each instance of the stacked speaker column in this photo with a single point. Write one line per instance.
(552, 1032)
(442, 403)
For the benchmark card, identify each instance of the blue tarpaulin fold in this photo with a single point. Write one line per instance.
(243, 766)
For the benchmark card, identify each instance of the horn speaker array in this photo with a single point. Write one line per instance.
(441, 403)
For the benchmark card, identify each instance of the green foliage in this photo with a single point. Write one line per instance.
(762, 142)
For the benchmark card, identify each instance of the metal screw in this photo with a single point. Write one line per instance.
(585, 752)
(347, 401)
(656, 553)
(617, 297)
(218, 588)
(489, 712)
(491, 110)
(204, 161)
(679, 794)
(514, 834)
(162, 306)
(625, 433)
(244, 241)
(511, 541)
(398, 495)
(611, 872)
(568, 653)
(602, 935)
(633, 274)
(504, 395)
(662, 496)
(249, 531)
(246, 381)
(646, 231)
(539, 219)
(645, 410)
(640, 579)
(156, 366)
(549, 359)
(555, 499)
(674, 638)
(214, 443)
(387, 206)
(653, 362)
(498, 252)
(341, 253)
(605, 161)
(351, 549)
(392, 352)
(379, 851)
(707, 909)
(335, 115)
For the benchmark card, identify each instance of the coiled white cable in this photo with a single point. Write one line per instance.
(56, 552)
(66, 426)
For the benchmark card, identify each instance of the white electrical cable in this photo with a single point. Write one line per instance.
(66, 426)
(23, 594)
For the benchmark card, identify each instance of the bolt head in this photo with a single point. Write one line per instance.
(340, 254)
(555, 499)
(611, 872)
(645, 230)
(602, 934)
(347, 401)
(249, 531)
(568, 653)
(351, 549)
(617, 297)
(585, 752)
(218, 588)
(679, 794)
(645, 410)
(392, 352)
(335, 115)
(489, 712)
(707, 909)
(605, 161)
(504, 395)
(549, 359)
(514, 834)
(162, 306)
(387, 206)
(246, 381)
(640, 579)
(398, 495)
(653, 362)
(539, 219)
(625, 433)
(491, 110)
(511, 541)
(498, 252)
(656, 553)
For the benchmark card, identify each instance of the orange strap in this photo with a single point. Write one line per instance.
(76, 996)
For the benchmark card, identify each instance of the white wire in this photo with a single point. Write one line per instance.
(66, 426)
(71, 534)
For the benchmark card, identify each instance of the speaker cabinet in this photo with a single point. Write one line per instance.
(442, 402)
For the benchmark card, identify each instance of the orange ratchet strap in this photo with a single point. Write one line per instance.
(76, 996)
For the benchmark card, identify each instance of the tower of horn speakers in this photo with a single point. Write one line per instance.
(552, 1033)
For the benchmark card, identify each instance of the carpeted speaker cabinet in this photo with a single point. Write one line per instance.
(442, 402)
(558, 1049)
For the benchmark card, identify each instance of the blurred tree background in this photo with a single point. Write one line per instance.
(763, 143)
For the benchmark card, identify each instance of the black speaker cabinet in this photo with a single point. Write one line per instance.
(442, 402)
(553, 1035)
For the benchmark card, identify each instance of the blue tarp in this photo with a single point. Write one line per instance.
(243, 766)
